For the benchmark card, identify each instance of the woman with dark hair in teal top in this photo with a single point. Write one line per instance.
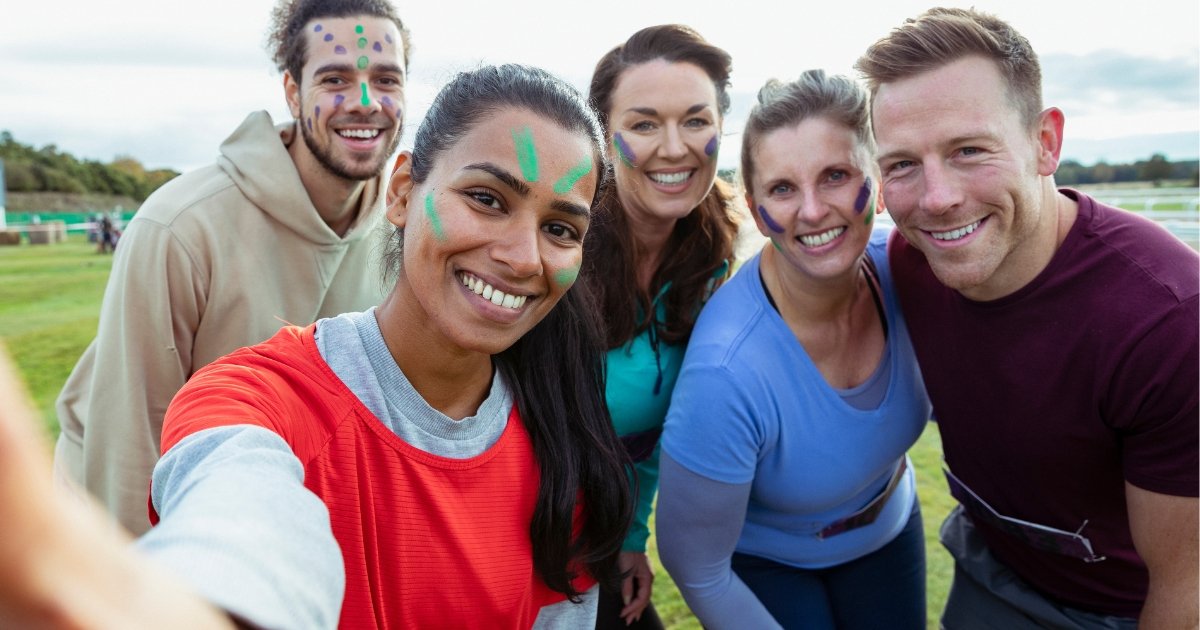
(667, 242)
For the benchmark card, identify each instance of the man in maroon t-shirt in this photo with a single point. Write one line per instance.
(1057, 337)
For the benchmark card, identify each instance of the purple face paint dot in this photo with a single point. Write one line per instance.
(339, 49)
(387, 38)
(377, 47)
(317, 112)
(387, 102)
(328, 37)
(310, 124)
(864, 194)
(398, 111)
(711, 147)
(317, 28)
(337, 100)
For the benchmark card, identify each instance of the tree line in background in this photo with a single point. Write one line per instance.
(47, 169)
(1157, 169)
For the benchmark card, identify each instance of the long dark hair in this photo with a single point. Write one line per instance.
(700, 242)
(556, 369)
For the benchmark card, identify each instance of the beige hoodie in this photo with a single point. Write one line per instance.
(216, 259)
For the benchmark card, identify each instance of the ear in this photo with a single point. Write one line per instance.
(1049, 140)
(291, 92)
(400, 188)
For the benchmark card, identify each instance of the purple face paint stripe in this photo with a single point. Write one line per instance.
(377, 47)
(624, 152)
(337, 100)
(339, 49)
(771, 224)
(328, 37)
(711, 148)
(864, 195)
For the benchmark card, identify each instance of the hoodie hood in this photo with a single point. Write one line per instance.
(255, 156)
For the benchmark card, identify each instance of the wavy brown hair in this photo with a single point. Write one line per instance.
(699, 244)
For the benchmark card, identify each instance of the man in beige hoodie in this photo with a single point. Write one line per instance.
(279, 230)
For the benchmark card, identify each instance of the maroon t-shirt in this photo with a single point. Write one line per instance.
(1051, 398)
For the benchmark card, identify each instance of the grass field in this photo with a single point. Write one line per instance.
(48, 313)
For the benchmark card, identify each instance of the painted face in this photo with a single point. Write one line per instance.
(964, 178)
(815, 195)
(493, 237)
(350, 99)
(665, 132)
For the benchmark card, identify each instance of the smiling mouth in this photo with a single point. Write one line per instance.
(492, 294)
(671, 179)
(358, 134)
(955, 234)
(817, 240)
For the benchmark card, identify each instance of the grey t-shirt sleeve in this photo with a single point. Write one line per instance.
(239, 526)
(699, 521)
(566, 615)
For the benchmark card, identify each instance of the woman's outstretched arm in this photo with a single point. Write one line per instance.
(63, 562)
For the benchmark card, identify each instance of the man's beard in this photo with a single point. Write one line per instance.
(324, 155)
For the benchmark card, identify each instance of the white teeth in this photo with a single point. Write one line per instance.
(364, 134)
(955, 234)
(816, 240)
(492, 294)
(670, 178)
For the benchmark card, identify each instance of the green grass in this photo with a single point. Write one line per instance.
(49, 312)
(51, 304)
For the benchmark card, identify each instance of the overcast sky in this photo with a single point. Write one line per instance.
(165, 81)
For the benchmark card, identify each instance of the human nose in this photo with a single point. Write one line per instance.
(517, 247)
(941, 191)
(672, 145)
(364, 101)
(812, 208)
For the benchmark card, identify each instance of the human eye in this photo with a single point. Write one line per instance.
(697, 122)
(562, 231)
(642, 125)
(970, 151)
(838, 175)
(898, 167)
(779, 189)
(486, 199)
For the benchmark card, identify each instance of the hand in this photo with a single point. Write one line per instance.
(635, 588)
(63, 563)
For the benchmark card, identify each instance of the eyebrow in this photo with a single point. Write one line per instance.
(650, 111)
(345, 67)
(510, 180)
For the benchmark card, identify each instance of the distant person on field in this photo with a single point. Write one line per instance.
(1057, 337)
(105, 241)
(277, 231)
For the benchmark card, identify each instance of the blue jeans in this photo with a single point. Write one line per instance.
(883, 589)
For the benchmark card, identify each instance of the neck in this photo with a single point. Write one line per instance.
(804, 300)
(650, 242)
(336, 198)
(451, 379)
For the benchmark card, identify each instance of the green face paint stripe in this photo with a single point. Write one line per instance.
(871, 209)
(566, 182)
(777, 247)
(526, 153)
(567, 276)
(365, 100)
(435, 221)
